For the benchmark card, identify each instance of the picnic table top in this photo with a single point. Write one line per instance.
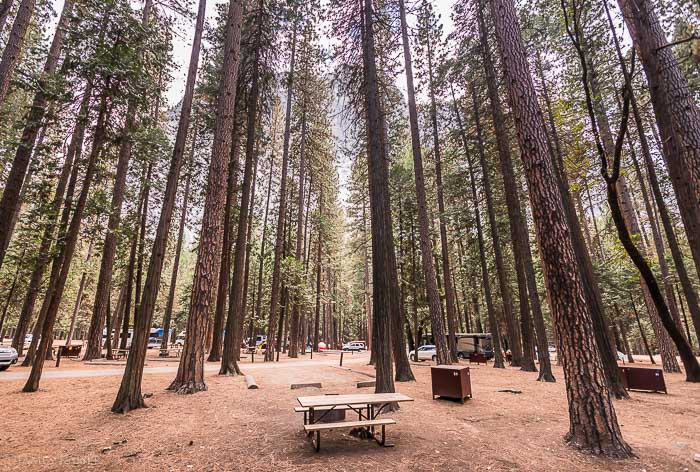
(353, 399)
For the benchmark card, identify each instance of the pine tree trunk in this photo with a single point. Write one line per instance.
(104, 281)
(443, 351)
(518, 230)
(237, 303)
(493, 323)
(296, 310)
(227, 243)
(593, 422)
(79, 298)
(444, 252)
(190, 376)
(282, 209)
(5, 10)
(10, 202)
(10, 57)
(677, 114)
(64, 256)
(167, 316)
(129, 395)
(590, 281)
(688, 289)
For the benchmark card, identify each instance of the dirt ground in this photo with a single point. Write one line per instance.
(67, 425)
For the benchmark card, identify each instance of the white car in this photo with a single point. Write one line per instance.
(426, 352)
(354, 347)
(8, 356)
(154, 343)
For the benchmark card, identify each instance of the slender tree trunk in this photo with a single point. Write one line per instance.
(593, 422)
(444, 252)
(518, 230)
(688, 289)
(444, 351)
(10, 202)
(12, 52)
(493, 322)
(167, 316)
(79, 299)
(129, 395)
(296, 310)
(279, 236)
(104, 280)
(65, 255)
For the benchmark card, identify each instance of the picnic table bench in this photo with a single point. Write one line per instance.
(121, 353)
(166, 352)
(367, 407)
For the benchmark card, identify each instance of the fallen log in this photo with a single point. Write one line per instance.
(250, 382)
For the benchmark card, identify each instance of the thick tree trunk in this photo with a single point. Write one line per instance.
(590, 281)
(227, 243)
(593, 422)
(384, 277)
(129, 396)
(190, 376)
(237, 302)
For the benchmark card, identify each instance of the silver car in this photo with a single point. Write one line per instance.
(8, 356)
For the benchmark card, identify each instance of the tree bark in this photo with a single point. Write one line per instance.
(65, 255)
(518, 230)
(12, 52)
(493, 323)
(677, 114)
(167, 316)
(593, 422)
(190, 376)
(10, 202)
(227, 243)
(129, 395)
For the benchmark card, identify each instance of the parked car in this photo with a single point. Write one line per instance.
(28, 340)
(424, 353)
(180, 341)
(154, 343)
(353, 346)
(8, 356)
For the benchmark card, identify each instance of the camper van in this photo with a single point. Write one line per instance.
(115, 334)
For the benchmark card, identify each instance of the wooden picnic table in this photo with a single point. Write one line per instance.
(367, 407)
